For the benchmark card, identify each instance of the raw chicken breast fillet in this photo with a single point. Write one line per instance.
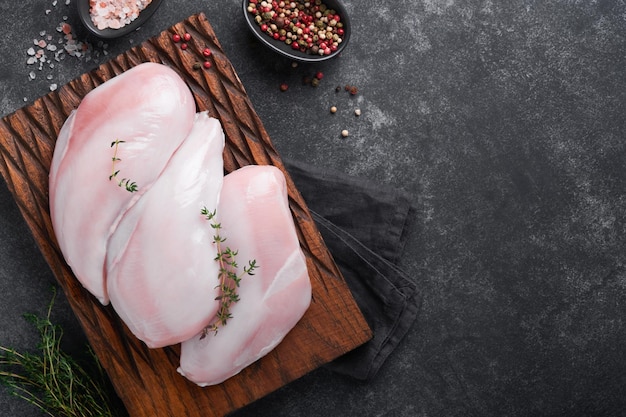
(256, 221)
(151, 110)
(161, 269)
(150, 250)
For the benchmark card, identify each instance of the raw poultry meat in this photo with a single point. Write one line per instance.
(162, 276)
(134, 172)
(151, 110)
(255, 219)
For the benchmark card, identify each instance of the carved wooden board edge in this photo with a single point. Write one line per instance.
(146, 379)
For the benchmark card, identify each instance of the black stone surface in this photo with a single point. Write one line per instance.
(505, 120)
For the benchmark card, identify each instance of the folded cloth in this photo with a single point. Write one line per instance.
(364, 227)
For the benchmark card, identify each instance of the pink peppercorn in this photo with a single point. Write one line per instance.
(206, 52)
(207, 64)
(176, 37)
(187, 37)
(183, 46)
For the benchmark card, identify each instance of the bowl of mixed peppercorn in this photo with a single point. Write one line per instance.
(306, 31)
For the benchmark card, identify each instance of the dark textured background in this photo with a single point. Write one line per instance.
(504, 119)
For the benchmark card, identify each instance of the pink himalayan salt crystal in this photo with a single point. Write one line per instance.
(115, 14)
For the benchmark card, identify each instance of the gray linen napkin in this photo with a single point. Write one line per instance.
(364, 227)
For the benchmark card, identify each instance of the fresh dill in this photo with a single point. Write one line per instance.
(54, 381)
(130, 186)
(229, 277)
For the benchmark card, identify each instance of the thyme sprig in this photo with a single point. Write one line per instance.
(229, 278)
(131, 186)
(54, 381)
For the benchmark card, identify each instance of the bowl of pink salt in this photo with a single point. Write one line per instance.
(114, 18)
(301, 30)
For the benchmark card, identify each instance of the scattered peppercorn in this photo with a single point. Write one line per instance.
(284, 87)
(333, 109)
(344, 133)
(357, 112)
(315, 82)
(353, 90)
(319, 75)
(337, 89)
(206, 52)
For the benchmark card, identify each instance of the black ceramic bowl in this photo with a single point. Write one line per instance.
(144, 15)
(286, 50)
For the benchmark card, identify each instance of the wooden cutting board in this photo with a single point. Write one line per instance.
(146, 379)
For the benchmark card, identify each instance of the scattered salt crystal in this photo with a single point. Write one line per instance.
(49, 49)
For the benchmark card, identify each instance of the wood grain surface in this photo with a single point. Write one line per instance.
(146, 379)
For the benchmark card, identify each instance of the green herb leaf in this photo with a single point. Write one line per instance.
(228, 276)
(54, 381)
(130, 186)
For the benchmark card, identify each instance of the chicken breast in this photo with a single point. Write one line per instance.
(256, 222)
(147, 111)
(134, 173)
(162, 276)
